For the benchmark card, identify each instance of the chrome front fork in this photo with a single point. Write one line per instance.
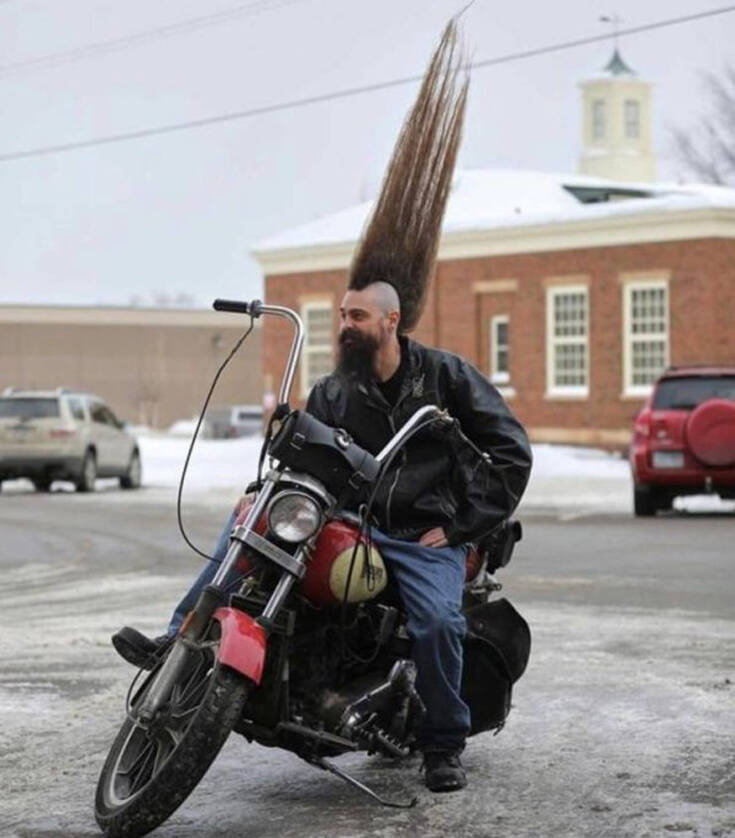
(192, 629)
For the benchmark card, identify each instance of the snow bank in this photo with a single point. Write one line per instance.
(564, 479)
(214, 463)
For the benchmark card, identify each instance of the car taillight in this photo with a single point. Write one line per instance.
(642, 425)
(61, 433)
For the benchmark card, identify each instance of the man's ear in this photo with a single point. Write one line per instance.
(393, 318)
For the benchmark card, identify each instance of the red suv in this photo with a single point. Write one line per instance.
(684, 438)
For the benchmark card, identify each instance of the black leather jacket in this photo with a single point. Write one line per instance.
(437, 480)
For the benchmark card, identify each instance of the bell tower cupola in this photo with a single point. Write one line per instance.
(616, 124)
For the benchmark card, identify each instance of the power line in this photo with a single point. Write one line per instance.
(343, 94)
(43, 62)
(633, 30)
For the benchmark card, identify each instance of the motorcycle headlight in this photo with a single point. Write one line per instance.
(294, 516)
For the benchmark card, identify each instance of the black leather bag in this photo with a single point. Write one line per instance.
(497, 546)
(496, 651)
(304, 443)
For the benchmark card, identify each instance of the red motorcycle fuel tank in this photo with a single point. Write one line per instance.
(328, 571)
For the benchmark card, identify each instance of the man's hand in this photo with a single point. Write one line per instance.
(434, 538)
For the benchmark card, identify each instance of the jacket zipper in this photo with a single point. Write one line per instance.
(401, 398)
(395, 479)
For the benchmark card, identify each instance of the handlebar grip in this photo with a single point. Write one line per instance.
(238, 307)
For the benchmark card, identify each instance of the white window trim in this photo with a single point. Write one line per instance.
(568, 392)
(639, 390)
(315, 305)
(495, 376)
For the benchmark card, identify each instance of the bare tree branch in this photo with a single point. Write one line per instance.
(707, 150)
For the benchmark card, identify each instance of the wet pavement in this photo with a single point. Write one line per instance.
(623, 724)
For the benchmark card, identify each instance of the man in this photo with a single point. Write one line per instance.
(439, 496)
(440, 493)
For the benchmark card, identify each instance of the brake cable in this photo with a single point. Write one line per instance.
(219, 372)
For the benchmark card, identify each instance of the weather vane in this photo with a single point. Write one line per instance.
(614, 19)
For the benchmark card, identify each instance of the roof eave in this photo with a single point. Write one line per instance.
(607, 231)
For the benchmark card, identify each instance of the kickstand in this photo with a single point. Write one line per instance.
(321, 762)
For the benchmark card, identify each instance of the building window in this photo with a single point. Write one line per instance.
(317, 359)
(646, 335)
(499, 350)
(567, 355)
(598, 119)
(632, 119)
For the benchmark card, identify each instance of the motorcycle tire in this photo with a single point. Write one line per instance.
(150, 772)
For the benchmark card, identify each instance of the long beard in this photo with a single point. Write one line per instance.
(356, 354)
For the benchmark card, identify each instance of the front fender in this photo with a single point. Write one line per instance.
(242, 643)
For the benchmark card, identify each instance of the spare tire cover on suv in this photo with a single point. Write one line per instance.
(710, 432)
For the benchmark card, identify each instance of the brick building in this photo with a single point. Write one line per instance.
(570, 293)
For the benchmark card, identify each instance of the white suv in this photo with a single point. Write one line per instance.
(48, 435)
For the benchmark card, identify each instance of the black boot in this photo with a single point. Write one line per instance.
(444, 771)
(138, 649)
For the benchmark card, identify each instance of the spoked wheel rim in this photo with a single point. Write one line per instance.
(146, 749)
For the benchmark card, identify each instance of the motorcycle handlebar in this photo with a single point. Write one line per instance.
(256, 308)
(238, 307)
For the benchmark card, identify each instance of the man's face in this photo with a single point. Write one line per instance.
(363, 330)
(359, 312)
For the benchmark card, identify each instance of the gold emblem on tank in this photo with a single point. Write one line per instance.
(368, 577)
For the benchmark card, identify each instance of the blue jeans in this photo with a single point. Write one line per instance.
(430, 581)
(205, 577)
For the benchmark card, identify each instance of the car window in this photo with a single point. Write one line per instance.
(247, 415)
(686, 393)
(98, 412)
(29, 408)
(77, 409)
(110, 418)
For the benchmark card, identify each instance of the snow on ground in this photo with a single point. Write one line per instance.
(570, 479)
(563, 478)
(214, 463)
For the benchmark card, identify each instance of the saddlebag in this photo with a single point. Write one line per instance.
(496, 650)
(304, 443)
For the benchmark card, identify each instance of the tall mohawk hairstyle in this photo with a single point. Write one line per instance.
(400, 241)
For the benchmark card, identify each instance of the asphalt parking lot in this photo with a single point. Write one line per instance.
(623, 724)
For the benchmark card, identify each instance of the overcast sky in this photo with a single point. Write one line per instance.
(177, 213)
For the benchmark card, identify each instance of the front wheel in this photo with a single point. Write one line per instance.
(151, 770)
(88, 474)
(133, 475)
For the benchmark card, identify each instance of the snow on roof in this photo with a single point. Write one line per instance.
(486, 199)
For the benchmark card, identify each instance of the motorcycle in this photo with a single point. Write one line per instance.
(300, 640)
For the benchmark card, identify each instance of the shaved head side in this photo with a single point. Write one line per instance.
(385, 297)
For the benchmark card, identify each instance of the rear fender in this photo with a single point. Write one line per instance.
(242, 644)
